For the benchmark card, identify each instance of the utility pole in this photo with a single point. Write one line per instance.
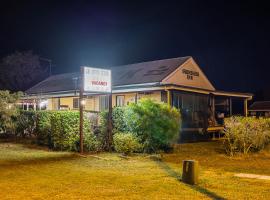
(81, 110)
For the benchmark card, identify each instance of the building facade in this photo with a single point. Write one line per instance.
(259, 109)
(180, 82)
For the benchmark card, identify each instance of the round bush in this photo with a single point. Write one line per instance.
(156, 124)
(126, 143)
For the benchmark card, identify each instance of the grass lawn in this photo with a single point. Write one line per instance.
(31, 173)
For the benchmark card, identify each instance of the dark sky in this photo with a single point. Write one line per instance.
(229, 40)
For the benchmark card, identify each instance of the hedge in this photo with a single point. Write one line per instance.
(58, 130)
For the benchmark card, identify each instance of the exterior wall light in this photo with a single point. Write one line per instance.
(43, 103)
(83, 102)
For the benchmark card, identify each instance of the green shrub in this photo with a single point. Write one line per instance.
(103, 128)
(119, 123)
(245, 134)
(8, 111)
(92, 143)
(156, 125)
(58, 130)
(44, 128)
(119, 119)
(126, 143)
(26, 123)
(65, 132)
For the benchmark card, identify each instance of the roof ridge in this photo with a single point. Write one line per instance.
(63, 74)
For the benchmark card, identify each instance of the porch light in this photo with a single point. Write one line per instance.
(43, 103)
(83, 102)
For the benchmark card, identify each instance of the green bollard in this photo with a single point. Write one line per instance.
(190, 172)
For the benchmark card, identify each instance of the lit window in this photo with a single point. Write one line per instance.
(55, 103)
(120, 100)
(103, 102)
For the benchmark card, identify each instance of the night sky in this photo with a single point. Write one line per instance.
(230, 41)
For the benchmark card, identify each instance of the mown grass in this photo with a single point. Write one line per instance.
(29, 173)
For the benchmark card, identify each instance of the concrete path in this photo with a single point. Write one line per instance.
(256, 176)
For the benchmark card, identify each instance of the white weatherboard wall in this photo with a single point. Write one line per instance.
(189, 74)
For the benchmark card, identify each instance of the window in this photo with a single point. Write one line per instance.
(75, 103)
(103, 102)
(120, 100)
(194, 108)
(164, 96)
(55, 103)
(177, 100)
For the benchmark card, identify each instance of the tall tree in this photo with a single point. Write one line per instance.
(21, 70)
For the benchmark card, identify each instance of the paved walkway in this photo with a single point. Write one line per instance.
(256, 176)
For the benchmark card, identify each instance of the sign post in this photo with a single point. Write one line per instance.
(109, 130)
(81, 110)
(94, 80)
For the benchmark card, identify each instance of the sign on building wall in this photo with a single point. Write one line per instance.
(190, 74)
(97, 80)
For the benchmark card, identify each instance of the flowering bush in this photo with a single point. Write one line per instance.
(245, 134)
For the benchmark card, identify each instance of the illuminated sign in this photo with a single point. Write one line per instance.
(190, 73)
(97, 80)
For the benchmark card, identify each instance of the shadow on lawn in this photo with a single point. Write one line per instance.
(38, 160)
(177, 176)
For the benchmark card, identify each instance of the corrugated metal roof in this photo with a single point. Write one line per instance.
(144, 72)
(260, 106)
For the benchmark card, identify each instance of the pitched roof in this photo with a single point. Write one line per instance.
(260, 106)
(57, 83)
(144, 72)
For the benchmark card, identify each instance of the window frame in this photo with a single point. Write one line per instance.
(123, 100)
(103, 102)
(74, 103)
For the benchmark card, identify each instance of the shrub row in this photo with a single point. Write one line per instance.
(245, 134)
(147, 126)
(58, 130)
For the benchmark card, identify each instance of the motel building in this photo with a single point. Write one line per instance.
(178, 81)
(259, 109)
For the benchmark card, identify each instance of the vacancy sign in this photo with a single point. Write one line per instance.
(97, 80)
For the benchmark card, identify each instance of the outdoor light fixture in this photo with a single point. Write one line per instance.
(83, 102)
(43, 103)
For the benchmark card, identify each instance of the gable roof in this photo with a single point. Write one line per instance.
(260, 106)
(138, 73)
(179, 76)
